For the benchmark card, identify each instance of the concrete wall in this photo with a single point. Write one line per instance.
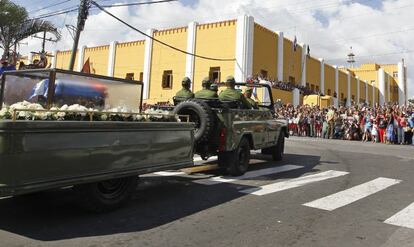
(129, 59)
(217, 40)
(164, 58)
(265, 51)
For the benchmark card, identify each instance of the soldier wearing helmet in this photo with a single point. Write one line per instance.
(231, 94)
(248, 94)
(206, 93)
(214, 87)
(185, 92)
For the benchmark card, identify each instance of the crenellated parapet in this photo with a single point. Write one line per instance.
(175, 30)
(217, 24)
(131, 43)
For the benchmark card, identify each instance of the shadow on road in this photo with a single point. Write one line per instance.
(158, 201)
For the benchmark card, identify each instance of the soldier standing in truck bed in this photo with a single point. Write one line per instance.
(185, 93)
(231, 94)
(206, 93)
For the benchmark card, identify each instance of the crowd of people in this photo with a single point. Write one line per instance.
(285, 86)
(389, 124)
(9, 63)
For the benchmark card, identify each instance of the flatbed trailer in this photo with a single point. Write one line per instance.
(41, 155)
(100, 159)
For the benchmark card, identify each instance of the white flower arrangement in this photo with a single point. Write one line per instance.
(27, 111)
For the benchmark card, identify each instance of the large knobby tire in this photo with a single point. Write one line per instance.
(236, 162)
(201, 114)
(279, 149)
(106, 195)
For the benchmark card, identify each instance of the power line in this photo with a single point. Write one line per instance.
(55, 13)
(159, 41)
(134, 4)
(75, 8)
(50, 6)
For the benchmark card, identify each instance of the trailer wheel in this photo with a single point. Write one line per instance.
(237, 161)
(106, 195)
(279, 149)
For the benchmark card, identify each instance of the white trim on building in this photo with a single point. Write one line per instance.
(303, 64)
(280, 44)
(296, 97)
(388, 88)
(147, 63)
(244, 48)
(189, 59)
(381, 86)
(322, 80)
(111, 58)
(81, 57)
(401, 84)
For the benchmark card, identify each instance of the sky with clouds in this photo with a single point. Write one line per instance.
(378, 31)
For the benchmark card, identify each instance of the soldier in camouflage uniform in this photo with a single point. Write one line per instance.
(248, 94)
(185, 93)
(206, 93)
(231, 94)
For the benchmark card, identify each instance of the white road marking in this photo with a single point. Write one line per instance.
(293, 183)
(251, 174)
(199, 159)
(404, 218)
(353, 194)
(169, 174)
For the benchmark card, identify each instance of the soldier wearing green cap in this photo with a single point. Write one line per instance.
(231, 94)
(248, 94)
(185, 92)
(206, 93)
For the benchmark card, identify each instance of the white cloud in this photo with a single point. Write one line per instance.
(329, 26)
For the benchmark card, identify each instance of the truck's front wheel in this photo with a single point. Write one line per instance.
(106, 195)
(237, 161)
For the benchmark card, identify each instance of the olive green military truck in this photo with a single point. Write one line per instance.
(100, 154)
(226, 129)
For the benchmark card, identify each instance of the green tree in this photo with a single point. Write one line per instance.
(15, 25)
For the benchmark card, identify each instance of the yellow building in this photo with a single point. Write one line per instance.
(241, 48)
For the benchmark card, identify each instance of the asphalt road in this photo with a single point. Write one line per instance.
(324, 193)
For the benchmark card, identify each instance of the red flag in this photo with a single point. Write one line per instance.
(86, 67)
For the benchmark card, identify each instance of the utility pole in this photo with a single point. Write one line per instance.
(82, 16)
(44, 39)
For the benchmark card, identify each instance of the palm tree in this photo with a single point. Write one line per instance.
(15, 25)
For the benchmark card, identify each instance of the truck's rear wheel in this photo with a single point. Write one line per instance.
(279, 149)
(106, 195)
(237, 161)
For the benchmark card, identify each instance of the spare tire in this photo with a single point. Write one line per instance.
(201, 114)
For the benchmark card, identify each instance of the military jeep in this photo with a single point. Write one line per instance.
(225, 129)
